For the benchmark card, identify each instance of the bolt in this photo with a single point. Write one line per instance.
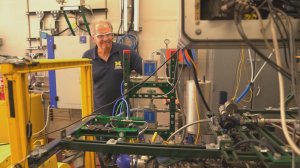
(225, 136)
(212, 145)
(276, 156)
(198, 31)
(121, 134)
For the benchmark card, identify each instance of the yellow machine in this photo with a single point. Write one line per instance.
(19, 104)
(4, 138)
(36, 120)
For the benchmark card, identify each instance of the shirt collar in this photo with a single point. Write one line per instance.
(114, 49)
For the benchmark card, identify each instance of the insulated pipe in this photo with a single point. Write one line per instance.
(136, 26)
(125, 16)
(190, 106)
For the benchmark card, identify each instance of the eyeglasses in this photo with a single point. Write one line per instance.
(102, 36)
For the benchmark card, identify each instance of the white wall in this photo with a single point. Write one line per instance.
(158, 19)
(13, 27)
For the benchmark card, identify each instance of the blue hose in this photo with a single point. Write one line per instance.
(244, 93)
(185, 59)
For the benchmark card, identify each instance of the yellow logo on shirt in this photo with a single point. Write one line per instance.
(118, 65)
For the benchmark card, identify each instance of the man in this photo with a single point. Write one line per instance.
(107, 65)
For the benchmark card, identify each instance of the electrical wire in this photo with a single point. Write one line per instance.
(133, 39)
(262, 27)
(291, 133)
(76, 20)
(198, 116)
(290, 4)
(293, 69)
(281, 93)
(46, 124)
(59, 33)
(195, 75)
(238, 18)
(118, 108)
(62, 128)
(122, 99)
(251, 65)
(261, 68)
(248, 87)
(180, 129)
(277, 19)
(173, 85)
(238, 74)
(256, 142)
(143, 130)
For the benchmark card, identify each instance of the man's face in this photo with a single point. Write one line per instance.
(103, 37)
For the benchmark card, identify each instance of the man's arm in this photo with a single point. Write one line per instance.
(136, 62)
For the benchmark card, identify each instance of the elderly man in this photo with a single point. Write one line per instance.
(107, 64)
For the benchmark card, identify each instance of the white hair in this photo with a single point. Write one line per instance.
(102, 23)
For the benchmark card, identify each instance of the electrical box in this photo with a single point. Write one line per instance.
(68, 80)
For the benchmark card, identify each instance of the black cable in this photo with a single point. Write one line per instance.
(59, 33)
(282, 37)
(132, 15)
(290, 4)
(29, 116)
(238, 18)
(255, 142)
(292, 48)
(275, 15)
(149, 160)
(293, 67)
(66, 126)
(76, 20)
(195, 75)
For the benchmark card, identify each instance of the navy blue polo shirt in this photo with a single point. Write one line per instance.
(108, 76)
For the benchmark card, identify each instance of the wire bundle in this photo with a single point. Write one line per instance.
(131, 37)
(120, 101)
(275, 19)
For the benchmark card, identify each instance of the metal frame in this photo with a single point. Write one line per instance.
(222, 150)
(163, 86)
(16, 90)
